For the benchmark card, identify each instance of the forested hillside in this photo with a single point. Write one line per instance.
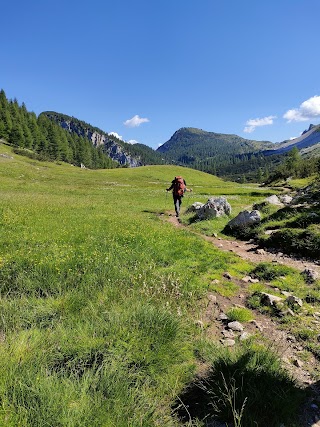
(41, 138)
(124, 153)
(236, 158)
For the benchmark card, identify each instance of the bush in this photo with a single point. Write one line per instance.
(267, 271)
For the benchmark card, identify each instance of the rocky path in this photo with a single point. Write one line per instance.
(215, 325)
(250, 251)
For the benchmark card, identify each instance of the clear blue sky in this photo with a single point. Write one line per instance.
(146, 68)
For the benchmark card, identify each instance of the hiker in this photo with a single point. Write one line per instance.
(178, 187)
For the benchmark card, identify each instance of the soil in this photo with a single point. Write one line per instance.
(285, 344)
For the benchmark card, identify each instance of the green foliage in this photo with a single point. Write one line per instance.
(98, 296)
(239, 314)
(234, 389)
(45, 139)
(267, 271)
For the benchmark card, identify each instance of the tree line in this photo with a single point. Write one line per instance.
(43, 139)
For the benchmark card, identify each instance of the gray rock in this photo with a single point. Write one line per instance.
(244, 336)
(227, 333)
(270, 300)
(274, 200)
(215, 207)
(223, 316)
(285, 199)
(235, 326)
(245, 219)
(212, 298)
(195, 206)
(292, 300)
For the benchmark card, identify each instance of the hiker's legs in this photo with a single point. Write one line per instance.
(177, 204)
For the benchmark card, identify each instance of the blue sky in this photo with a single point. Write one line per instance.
(146, 68)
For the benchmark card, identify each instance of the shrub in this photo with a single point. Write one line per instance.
(239, 314)
(267, 271)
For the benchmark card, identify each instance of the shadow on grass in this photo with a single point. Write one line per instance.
(248, 390)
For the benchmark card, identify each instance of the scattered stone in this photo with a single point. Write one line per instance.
(285, 199)
(214, 235)
(270, 300)
(260, 252)
(235, 326)
(229, 342)
(244, 336)
(286, 294)
(212, 298)
(245, 219)
(274, 200)
(257, 325)
(223, 316)
(227, 275)
(292, 300)
(249, 279)
(227, 333)
(269, 232)
(215, 281)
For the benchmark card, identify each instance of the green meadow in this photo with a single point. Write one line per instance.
(99, 295)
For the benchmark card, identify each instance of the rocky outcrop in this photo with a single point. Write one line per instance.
(215, 207)
(245, 219)
(113, 147)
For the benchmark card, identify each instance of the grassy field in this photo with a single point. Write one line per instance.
(98, 295)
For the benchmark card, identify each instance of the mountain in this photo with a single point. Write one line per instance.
(123, 153)
(199, 144)
(308, 139)
(231, 156)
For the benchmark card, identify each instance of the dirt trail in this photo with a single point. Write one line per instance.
(250, 251)
(288, 348)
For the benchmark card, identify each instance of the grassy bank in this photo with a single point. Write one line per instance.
(98, 297)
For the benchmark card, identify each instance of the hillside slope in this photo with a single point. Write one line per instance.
(117, 150)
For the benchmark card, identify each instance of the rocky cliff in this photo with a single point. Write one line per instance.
(115, 148)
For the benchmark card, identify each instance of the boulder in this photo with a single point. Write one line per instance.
(215, 207)
(274, 200)
(195, 206)
(245, 219)
(270, 300)
(285, 199)
(235, 326)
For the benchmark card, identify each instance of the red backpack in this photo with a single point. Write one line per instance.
(179, 187)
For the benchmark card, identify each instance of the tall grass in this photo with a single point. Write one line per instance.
(98, 296)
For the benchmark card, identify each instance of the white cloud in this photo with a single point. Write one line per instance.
(308, 110)
(253, 123)
(135, 121)
(133, 141)
(116, 135)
